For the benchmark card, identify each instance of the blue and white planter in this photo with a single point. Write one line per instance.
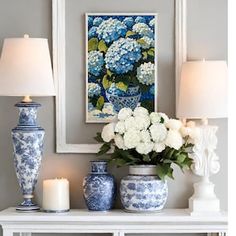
(120, 99)
(99, 187)
(142, 190)
(28, 140)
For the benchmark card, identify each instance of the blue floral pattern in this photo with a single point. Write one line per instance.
(99, 188)
(28, 148)
(143, 193)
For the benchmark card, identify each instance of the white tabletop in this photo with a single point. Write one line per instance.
(83, 215)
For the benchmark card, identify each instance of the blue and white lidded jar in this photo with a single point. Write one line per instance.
(142, 190)
(99, 187)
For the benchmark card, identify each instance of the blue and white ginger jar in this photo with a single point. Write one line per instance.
(120, 99)
(99, 187)
(142, 190)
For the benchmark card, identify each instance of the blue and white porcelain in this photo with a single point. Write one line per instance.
(99, 187)
(142, 190)
(120, 99)
(28, 140)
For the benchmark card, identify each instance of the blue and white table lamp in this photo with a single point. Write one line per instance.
(25, 70)
(203, 95)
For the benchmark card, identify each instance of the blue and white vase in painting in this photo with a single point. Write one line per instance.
(99, 187)
(120, 99)
(28, 140)
(142, 190)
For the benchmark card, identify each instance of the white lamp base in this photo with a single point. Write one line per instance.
(204, 200)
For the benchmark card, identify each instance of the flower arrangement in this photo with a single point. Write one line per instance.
(139, 137)
(121, 54)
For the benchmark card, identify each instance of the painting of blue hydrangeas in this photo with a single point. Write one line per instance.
(121, 64)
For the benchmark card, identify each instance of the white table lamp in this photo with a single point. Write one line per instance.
(25, 70)
(203, 95)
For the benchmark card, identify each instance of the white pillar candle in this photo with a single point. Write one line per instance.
(56, 195)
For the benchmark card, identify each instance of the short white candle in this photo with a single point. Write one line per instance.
(56, 195)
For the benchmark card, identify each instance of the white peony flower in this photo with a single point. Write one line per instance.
(141, 111)
(144, 148)
(195, 135)
(155, 117)
(119, 141)
(158, 132)
(145, 136)
(163, 116)
(108, 132)
(120, 127)
(159, 147)
(174, 124)
(124, 113)
(131, 138)
(141, 122)
(174, 139)
(130, 123)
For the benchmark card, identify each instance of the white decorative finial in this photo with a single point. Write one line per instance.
(26, 36)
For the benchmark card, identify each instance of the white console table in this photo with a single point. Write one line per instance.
(115, 222)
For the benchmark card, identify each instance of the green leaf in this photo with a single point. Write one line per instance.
(145, 55)
(181, 158)
(98, 138)
(102, 47)
(105, 82)
(151, 52)
(100, 103)
(146, 158)
(141, 41)
(162, 171)
(119, 162)
(122, 86)
(92, 44)
(170, 173)
(104, 149)
(162, 120)
(109, 73)
(129, 33)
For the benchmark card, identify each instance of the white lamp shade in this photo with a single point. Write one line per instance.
(25, 68)
(203, 90)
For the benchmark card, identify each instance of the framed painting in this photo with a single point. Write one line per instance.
(121, 63)
(87, 87)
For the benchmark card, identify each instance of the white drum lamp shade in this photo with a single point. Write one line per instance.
(25, 68)
(203, 90)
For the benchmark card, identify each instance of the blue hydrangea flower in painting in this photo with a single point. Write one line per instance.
(92, 32)
(90, 21)
(152, 90)
(152, 23)
(143, 29)
(97, 21)
(122, 55)
(140, 19)
(111, 30)
(146, 73)
(129, 22)
(94, 89)
(146, 42)
(95, 62)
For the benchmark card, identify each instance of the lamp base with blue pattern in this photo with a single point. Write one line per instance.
(28, 140)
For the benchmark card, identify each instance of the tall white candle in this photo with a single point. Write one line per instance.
(56, 195)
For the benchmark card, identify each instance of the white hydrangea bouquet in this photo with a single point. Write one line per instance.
(139, 138)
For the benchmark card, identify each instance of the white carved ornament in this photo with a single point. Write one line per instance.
(206, 162)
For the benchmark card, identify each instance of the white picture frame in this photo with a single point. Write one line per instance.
(58, 20)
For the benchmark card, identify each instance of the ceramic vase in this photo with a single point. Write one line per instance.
(28, 140)
(99, 187)
(120, 99)
(142, 190)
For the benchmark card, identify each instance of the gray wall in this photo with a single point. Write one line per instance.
(207, 37)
